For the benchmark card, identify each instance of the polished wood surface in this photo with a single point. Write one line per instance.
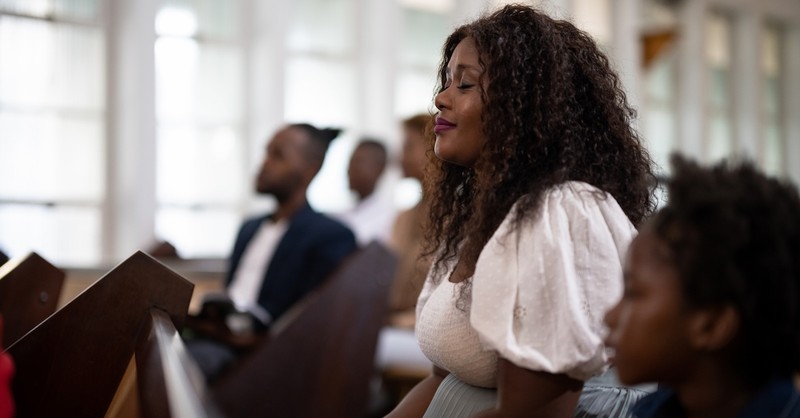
(29, 291)
(170, 383)
(71, 364)
(320, 356)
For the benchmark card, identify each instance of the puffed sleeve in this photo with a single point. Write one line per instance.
(540, 291)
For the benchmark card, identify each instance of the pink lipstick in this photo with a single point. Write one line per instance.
(443, 124)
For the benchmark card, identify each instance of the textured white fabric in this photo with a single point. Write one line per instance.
(371, 219)
(539, 292)
(447, 339)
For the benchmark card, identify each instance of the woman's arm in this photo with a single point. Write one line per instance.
(416, 402)
(526, 393)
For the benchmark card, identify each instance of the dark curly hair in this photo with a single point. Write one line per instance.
(734, 238)
(553, 111)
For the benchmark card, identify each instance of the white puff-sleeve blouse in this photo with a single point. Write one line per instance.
(539, 292)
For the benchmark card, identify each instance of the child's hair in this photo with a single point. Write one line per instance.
(734, 234)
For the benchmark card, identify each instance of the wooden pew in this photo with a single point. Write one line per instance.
(29, 290)
(319, 358)
(169, 382)
(73, 362)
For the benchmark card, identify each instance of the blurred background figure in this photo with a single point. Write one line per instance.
(408, 230)
(7, 406)
(281, 256)
(399, 358)
(372, 216)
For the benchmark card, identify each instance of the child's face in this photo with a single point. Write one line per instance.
(649, 326)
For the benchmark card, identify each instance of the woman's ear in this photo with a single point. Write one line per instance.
(713, 328)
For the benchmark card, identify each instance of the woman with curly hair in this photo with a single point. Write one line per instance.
(538, 184)
(711, 308)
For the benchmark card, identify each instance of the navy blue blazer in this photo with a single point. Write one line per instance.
(312, 247)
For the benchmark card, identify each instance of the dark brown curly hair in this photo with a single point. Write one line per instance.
(553, 111)
(734, 238)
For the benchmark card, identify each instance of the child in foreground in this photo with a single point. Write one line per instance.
(711, 307)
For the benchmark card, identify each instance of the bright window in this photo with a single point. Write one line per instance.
(322, 87)
(772, 110)
(718, 59)
(201, 175)
(52, 129)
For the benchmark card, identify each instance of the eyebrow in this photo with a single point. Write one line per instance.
(462, 68)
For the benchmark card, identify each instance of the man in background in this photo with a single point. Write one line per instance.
(280, 257)
(372, 217)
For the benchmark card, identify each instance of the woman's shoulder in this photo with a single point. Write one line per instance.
(576, 190)
(576, 207)
(577, 197)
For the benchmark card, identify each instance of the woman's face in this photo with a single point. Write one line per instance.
(459, 132)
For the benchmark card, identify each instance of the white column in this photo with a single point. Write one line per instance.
(691, 94)
(791, 102)
(626, 49)
(746, 84)
(377, 61)
(266, 35)
(130, 206)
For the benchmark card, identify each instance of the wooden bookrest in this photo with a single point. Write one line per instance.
(73, 362)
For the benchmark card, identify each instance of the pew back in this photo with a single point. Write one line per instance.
(72, 363)
(318, 362)
(29, 291)
(170, 383)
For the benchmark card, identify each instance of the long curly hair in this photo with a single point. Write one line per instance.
(734, 238)
(553, 111)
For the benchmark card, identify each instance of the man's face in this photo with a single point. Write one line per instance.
(365, 169)
(286, 166)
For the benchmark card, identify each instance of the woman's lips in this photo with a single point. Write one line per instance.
(443, 125)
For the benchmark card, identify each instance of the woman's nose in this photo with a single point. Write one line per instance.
(441, 100)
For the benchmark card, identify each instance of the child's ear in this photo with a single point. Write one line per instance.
(713, 328)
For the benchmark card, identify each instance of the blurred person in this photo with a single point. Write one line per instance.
(398, 350)
(280, 257)
(711, 308)
(372, 216)
(407, 239)
(7, 406)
